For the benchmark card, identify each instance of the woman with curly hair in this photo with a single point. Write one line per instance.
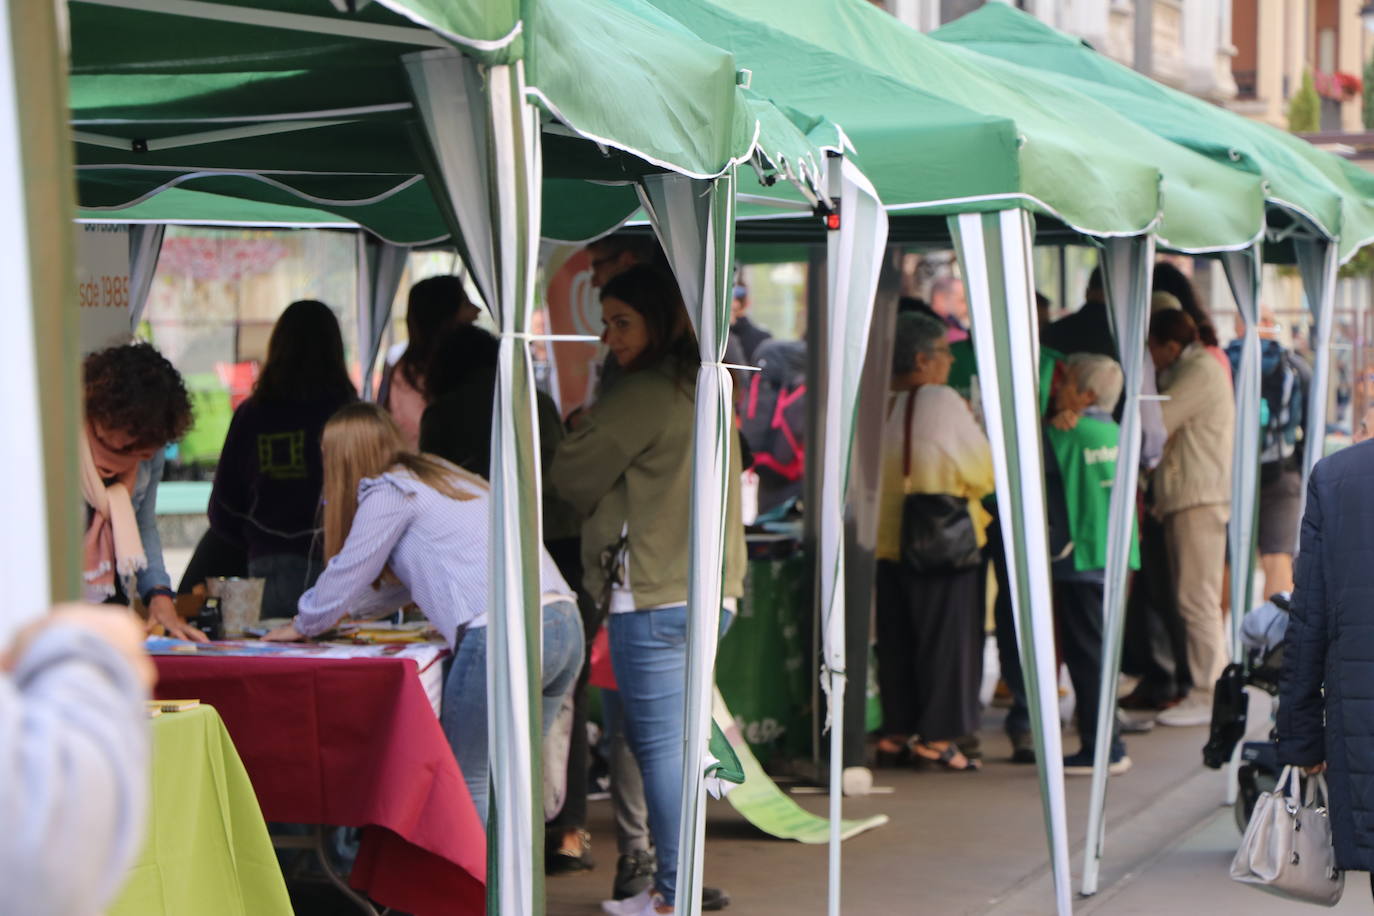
(135, 404)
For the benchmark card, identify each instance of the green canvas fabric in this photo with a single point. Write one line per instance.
(1069, 157)
(185, 206)
(362, 153)
(1336, 196)
(207, 848)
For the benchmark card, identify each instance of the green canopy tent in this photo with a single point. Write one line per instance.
(1320, 211)
(1079, 166)
(342, 111)
(338, 110)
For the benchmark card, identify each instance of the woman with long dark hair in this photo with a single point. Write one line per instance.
(266, 495)
(628, 469)
(435, 305)
(1169, 279)
(402, 526)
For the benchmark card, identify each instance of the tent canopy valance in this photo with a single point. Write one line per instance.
(941, 130)
(299, 103)
(1307, 189)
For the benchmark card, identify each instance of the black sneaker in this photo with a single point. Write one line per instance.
(559, 861)
(634, 873)
(713, 898)
(1022, 747)
(1081, 764)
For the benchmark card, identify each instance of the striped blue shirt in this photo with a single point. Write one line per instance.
(438, 548)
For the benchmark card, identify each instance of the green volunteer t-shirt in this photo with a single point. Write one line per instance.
(1087, 461)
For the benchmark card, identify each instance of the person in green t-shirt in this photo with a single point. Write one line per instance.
(1081, 443)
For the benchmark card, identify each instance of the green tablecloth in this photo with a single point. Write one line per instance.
(207, 851)
(762, 666)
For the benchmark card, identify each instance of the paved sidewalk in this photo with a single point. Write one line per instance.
(959, 844)
(1194, 877)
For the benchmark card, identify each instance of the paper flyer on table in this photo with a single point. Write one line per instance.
(423, 653)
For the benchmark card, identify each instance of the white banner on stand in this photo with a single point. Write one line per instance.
(102, 277)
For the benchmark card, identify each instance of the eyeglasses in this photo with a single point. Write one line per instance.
(129, 450)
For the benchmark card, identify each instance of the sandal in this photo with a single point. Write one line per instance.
(892, 752)
(930, 756)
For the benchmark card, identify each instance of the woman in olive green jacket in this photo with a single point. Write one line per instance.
(628, 469)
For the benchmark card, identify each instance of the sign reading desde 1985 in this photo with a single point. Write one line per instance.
(108, 291)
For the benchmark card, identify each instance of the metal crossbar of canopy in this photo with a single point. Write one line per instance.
(490, 123)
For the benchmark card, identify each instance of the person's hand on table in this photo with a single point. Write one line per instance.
(287, 633)
(115, 625)
(163, 610)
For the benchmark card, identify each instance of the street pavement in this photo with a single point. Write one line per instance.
(960, 843)
(1192, 876)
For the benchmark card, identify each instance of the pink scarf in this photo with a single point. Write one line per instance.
(112, 544)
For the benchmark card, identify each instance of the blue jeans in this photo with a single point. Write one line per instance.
(464, 714)
(649, 654)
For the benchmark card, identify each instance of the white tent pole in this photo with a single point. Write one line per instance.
(1128, 274)
(272, 19)
(1243, 275)
(995, 253)
(199, 138)
(145, 245)
(485, 140)
(1318, 262)
(695, 222)
(38, 280)
(855, 253)
(380, 266)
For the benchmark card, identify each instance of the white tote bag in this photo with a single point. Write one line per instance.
(1287, 847)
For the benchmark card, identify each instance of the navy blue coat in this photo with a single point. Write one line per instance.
(1326, 693)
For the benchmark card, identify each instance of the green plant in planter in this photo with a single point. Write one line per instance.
(1368, 112)
(1304, 109)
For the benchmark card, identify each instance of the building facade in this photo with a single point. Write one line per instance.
(1278, 40)
(1183, 43)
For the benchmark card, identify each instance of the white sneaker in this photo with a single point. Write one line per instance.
(645, 903)
(1196, 709)
(629, 906)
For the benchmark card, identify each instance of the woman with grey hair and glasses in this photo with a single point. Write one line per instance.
(929, 620)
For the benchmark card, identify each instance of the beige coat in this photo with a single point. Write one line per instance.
(628, 467)
(1200, 418)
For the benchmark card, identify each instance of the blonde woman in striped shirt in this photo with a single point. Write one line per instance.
(400, 526)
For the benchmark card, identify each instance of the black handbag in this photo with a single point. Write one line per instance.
(937, 531)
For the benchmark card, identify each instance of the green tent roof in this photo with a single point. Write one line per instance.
(293, 102)
(1074, 158)
(1334, 196)
(196, 208)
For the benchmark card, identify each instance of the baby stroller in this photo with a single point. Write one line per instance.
(1262, 633)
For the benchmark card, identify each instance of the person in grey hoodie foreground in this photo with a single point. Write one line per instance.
(73, 760)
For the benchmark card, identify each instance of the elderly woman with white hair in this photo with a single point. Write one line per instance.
(1082, 444)
(937, 468)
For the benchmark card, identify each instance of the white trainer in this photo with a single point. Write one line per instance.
(645, 903)
(1196, 709)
